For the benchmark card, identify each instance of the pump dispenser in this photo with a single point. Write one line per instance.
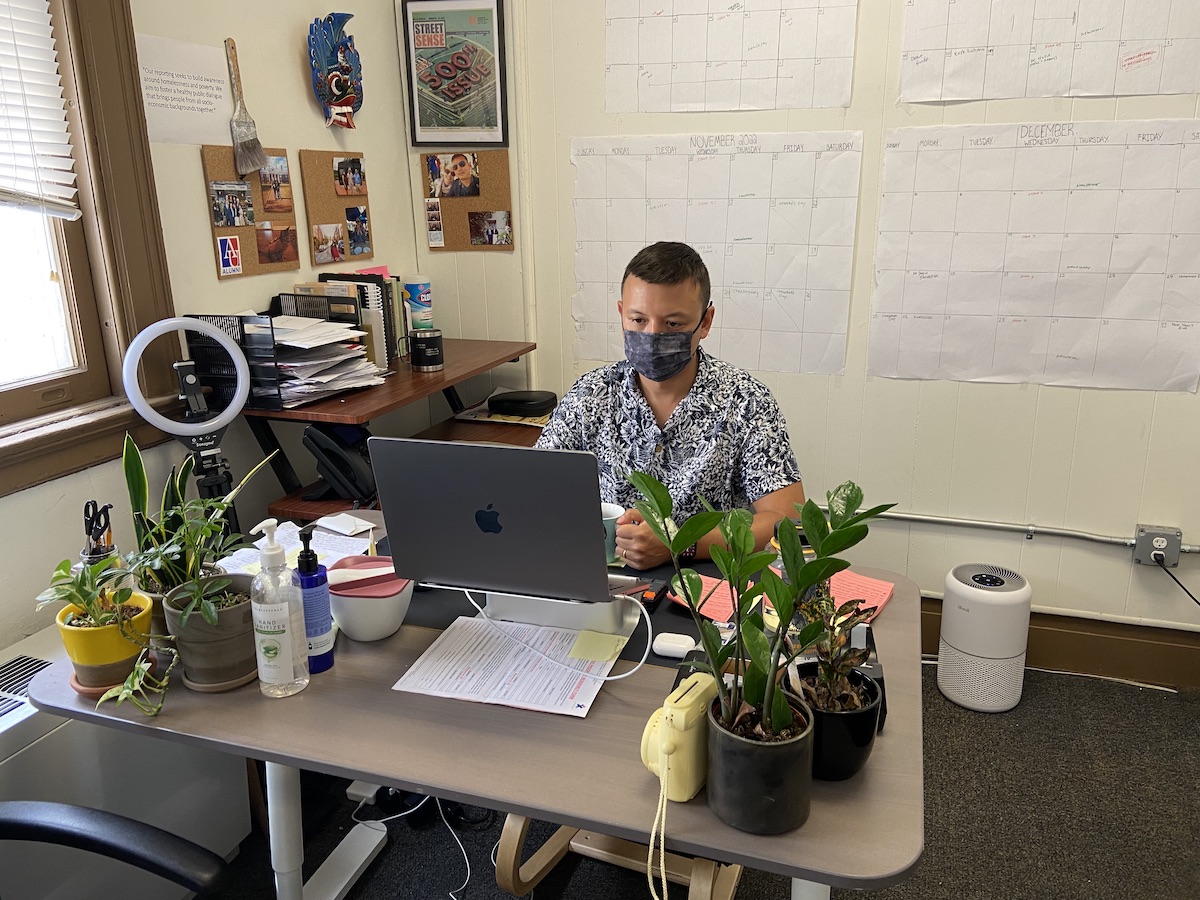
(310, 577)
(280, 643)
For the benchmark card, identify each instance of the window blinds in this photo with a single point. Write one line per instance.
(36, 168)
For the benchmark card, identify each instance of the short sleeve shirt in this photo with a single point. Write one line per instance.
(726, 441)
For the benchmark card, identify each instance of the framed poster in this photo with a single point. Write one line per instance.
(455, 57)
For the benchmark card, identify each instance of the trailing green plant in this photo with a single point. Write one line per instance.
(208, 595)
(834, 531)
(754, 704)
(142, 687)
(95, 589)
(187, 536)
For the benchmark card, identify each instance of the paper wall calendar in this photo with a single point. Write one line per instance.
(1053, 253)
(773, 216)
(696, 55)
(956, 50)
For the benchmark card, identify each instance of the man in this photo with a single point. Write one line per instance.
(699, 425)
(466, 183)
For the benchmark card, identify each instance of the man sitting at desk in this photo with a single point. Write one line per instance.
(702, 427)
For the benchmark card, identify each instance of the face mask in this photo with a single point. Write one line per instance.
(659, 355)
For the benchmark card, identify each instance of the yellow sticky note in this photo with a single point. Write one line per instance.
(597, 647)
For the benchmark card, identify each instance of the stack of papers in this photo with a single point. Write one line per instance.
(317, 358)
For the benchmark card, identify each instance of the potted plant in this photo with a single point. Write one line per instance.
(209, 612)
(103, 625)
(752, 784)
(844, 700)
(760, 738)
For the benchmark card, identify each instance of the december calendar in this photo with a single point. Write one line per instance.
(1063, 253)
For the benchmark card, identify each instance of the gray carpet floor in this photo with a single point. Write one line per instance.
(1088, 790)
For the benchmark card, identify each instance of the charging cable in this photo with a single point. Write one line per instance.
(399, 815)
(645, 653)
(1160, 558)
(454, 894)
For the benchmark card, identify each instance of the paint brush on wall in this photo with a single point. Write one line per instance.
(248, 153)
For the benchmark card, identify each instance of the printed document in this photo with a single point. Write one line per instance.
(476, 660)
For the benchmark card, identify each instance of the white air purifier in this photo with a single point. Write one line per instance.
(985, 630)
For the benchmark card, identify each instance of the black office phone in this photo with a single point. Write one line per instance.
(342, 460)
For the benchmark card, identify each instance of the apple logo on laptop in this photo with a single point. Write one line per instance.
(488, 520)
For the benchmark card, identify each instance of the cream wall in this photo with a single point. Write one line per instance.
(476, 295)
(1088, 460)
(1096, 461)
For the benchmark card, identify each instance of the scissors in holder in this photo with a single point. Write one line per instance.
(97, 527)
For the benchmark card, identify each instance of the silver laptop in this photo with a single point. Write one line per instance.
(500, 519)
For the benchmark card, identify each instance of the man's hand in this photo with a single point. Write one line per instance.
(637, 545)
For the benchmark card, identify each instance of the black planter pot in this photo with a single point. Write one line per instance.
(844, 740)
(760, 788)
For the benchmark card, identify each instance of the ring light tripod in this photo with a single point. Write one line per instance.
(201, 430)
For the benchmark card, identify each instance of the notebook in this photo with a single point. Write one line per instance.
(492, 517)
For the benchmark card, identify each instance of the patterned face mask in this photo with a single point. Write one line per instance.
(659, 355)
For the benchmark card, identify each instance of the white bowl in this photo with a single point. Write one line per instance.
(370, 614)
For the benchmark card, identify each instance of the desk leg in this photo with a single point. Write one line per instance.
(282, 466)
(809, 890)
(287, 830)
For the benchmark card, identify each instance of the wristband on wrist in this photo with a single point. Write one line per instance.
(688, 555)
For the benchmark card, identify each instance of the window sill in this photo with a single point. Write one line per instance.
(39, 450)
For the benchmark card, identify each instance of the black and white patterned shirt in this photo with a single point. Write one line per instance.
(726, 441)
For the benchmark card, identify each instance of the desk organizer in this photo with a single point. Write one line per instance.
(214, 368)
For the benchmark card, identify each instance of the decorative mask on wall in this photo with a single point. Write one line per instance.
(336, 70)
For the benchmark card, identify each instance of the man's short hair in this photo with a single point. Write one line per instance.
(669, 262)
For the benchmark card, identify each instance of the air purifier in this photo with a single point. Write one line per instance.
(985, 630)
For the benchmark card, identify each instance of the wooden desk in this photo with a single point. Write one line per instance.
(464, 359)
(866, 833)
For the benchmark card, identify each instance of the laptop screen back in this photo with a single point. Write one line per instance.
(493, 517)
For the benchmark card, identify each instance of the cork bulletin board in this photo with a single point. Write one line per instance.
(340, 227)
(467, 200)
(253, 217)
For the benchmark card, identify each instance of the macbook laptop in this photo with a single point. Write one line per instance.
(500, 519)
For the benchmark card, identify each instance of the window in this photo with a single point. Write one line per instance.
(85, 287)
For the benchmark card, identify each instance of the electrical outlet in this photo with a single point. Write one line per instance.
(1151, 540)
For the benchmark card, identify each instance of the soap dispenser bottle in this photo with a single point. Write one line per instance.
(280, 643)
(313, 582)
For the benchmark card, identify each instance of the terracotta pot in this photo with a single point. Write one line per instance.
(103, 657)
(215, 657)
(757, 787)
(844, 739)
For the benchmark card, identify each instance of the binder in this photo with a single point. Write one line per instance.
(377, 301)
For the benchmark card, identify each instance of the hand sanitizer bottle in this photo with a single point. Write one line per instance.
(310, 577)
(278, 609)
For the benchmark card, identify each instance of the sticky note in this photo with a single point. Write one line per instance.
(597, 647)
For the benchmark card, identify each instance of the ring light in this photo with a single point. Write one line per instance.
(134, 391)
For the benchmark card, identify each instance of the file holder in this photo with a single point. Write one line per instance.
(255, 335)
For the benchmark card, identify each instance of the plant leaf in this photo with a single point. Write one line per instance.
(653, 521)
(135, 475)
(755, 563)
(654, 491)
(844, 501)
(841, 538)
(780, 594)
(754, 686)
(693, 529)
(812, 520)
(781, 711)
(757, 647)
(817, 571)
(869, 514)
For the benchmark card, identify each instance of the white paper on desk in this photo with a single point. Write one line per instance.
(330, 548)
(474, 660)
(344, 523)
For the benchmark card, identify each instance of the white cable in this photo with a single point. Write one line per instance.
(640, 608)
(461, 849)
(399, 815)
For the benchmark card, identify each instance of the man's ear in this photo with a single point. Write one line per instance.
(707, 321)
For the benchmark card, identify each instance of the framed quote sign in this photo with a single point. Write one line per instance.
(455, 59)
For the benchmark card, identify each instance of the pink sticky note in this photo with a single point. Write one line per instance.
(374, 270)
(718, 607)
(848, 585)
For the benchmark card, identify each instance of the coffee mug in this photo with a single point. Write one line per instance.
(611, 512)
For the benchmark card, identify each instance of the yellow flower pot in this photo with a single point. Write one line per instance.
(103, 657)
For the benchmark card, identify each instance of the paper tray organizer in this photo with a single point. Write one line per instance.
(214, 368)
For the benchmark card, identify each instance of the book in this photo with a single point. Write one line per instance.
(374, 303)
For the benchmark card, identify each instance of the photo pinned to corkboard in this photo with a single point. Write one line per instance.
(467, 203)
(253, 217)
(335, 200)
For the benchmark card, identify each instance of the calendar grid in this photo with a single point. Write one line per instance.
(1082, 269)
(772, 216)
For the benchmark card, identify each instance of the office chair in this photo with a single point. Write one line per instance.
(115, 836)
